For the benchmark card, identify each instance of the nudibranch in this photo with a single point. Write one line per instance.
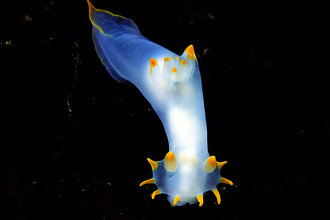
(172, 85)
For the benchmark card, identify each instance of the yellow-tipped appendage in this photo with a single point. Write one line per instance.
(200, 199)
(155, 193)
(176, 200)
(221, 180)
(153, 63)
(170, 162)
(217, 194)
(149, 181)
(153, 164)
(224, 180)
(220, 164)
(157, 75)
(190, 52)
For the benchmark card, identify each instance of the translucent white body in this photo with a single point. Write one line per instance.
(172, 85)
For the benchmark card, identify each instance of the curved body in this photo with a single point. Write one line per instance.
(172, 85)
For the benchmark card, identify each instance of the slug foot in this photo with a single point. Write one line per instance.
(177, 178)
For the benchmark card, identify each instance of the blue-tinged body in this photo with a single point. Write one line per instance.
(172, 85)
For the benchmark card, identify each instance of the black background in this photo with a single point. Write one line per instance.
(75, 141)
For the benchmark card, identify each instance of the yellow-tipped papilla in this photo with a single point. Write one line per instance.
(149, 181)
(224, 180)
(170, 162)
(176, 200)
(187, 64)
(185, 71)
(217, 194)
(200, 199)
(210, 164)
(156, 74)
(189, 53)
(169, 69)
(153, 164)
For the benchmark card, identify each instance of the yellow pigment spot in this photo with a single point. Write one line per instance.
(212, 161)
(209, 164)
(153, 63)
(170, 163)
(174, 70)
(171, 58)
(166, 59)
(178, 58)
(183, 62)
